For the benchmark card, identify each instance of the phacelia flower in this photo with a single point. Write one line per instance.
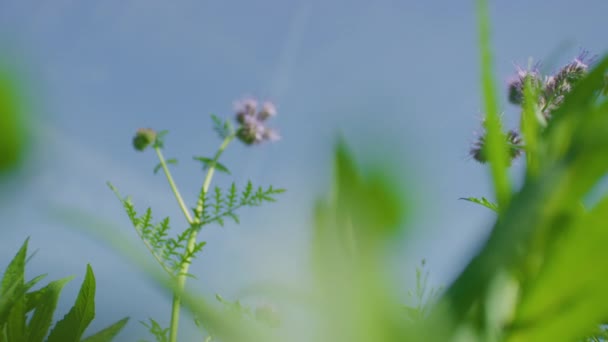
(143, 138)
(252, 129)
(514, 141)
(244, 108)
(517, 82)
(560, 84)
(268, 110)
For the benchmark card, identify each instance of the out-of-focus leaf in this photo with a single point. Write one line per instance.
(350, 228)
(568, 300)
(12, 129)
(497, 148)
(482, 201)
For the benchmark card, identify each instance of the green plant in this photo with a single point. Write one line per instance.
(18, 301)
(175, 254)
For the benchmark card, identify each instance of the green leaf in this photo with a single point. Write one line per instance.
(45, 302)
(210, 163)
(222, 127)
(108, 334)
(482, 201)
(15, 328)
(7, 300)
(160, 139)
(161, 335)
(12, 129)
(578, 300)
(497, 149)
(73, 325)
(158, 166)
(12, 302)
(15, 271)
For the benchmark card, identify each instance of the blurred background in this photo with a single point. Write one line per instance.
(397, 79)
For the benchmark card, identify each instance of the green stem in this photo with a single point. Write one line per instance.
(179, 198)
(183, 271)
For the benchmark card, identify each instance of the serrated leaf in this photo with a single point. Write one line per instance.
(108, 334)
(45, 302)
(210, 162)
(15, 271)
(73, 325)
(12, 293)
(160, 139)
(221, 127)
(157, 168)
(15, 327)
(7, 300)
(482, 201)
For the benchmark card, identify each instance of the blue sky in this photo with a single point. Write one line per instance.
(398, 79)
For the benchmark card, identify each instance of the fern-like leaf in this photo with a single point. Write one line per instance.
(211, 162)
(222, 127)
(482, 201)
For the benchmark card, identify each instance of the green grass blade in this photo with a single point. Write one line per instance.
(73, 325)
(108, 334)
(496, 148)
(530, 127)
(45, 302)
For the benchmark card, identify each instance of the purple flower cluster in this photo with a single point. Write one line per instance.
(549, 91)
(514, 141)
(252, 129)
(552, 89)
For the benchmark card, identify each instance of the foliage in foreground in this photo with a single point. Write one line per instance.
(536, 278)
(27, 315)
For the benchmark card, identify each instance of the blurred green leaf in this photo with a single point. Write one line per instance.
(497, 148)
(482, 201)
(12, 132)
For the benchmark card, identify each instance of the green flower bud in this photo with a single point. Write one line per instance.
(143, 138)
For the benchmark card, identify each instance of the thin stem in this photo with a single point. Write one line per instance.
(183, 271)
(178, 197)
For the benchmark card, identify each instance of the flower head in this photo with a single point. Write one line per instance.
(252, 129)
(558, 85)
(143, 138)
(268, 110)
(517, 82)
(513, 139)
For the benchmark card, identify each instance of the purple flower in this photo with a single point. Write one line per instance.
(517, 82)
(268, 110)
(252, 129)
(560, 84)
(513, 139)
